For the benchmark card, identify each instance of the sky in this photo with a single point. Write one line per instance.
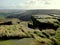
(29, 4)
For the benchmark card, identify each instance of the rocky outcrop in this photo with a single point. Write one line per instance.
(56, 16)
(45, 22)
(9, 21)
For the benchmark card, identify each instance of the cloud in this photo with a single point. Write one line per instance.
(42, 4)
(30, 4)
(35, 4)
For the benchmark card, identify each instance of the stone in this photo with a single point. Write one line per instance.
(45, 22)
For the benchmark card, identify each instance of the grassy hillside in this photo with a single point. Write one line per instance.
(21, 31)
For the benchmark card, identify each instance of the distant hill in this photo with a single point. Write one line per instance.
(27, 14)
(8, 12)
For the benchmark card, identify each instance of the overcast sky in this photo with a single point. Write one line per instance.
(29, 4)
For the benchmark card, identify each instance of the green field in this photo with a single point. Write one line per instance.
(25, 41)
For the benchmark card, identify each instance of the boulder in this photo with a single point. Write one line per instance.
(45, 22)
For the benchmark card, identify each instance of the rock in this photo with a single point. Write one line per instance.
(9, 21)
(45, 22)
(41, 16)
(56, 16)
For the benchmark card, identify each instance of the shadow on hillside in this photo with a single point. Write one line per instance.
(11, 38)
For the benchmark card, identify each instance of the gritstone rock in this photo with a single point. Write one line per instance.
(45, 21)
